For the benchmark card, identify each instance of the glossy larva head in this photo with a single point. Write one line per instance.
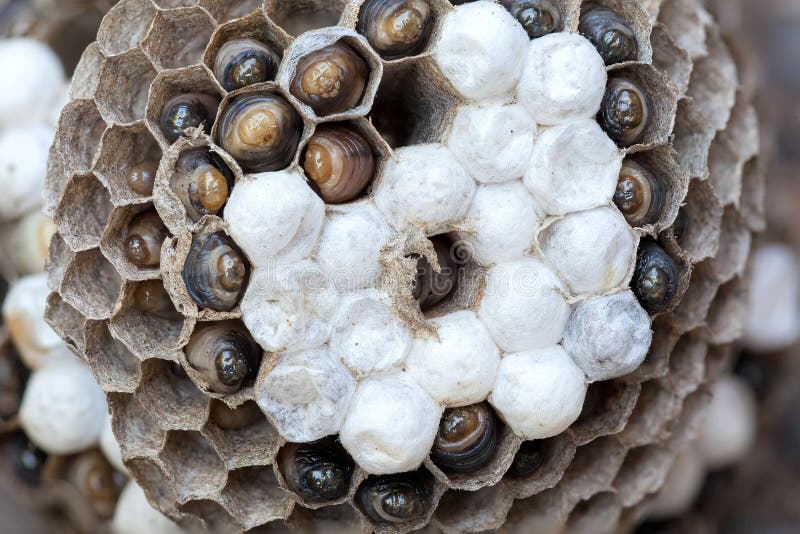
(539, 393)
(275, 217)
(457, 365)
(481, 50)
(594, 251)
(391, 424)
(493, 141)
(574, 167)
(563, 79)
(424, 186)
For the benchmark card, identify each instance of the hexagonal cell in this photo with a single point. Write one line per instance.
(114, 367)
(91, 285)
(80, 128)
(702, 216)
(83, 212)
(154, 482)
(171, 4)
(715, 81)
(242, 436)
(307, 66)
(606, 409)
(544, 512)
(59, 256)
(753, 194)
(170, 397)
(255, 27)
(539, 465)
(593, 468)
(356, 140)
(125, 26)
(214, 516)
(197, 471)
(473, 511)
(299, 17)
(412, 105)
(66, 321)
(124, 149)
(423, 484)
(726, 314)
(655, 408)
(225, 11)
(686, 366)
(599, 513)
(87, 73)
(123, 86)
(661, 104)
(671, 59)
(178, 37)
(137, 432)
(693, 309)
(135, 220)
(147, 322)
(194, 82)
(254, 497)
(734, 246)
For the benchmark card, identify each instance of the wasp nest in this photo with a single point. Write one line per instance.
(389, 263)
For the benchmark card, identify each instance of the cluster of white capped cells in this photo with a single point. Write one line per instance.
(524, 180)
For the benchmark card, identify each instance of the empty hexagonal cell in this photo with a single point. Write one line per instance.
(80, 128)
(687, 366)
(693, 309)
(66, 321)
(242, 436)
(412, 107)
(671, 59)
(299, 17)
(170, 397)
(593, 468)
(332, 73)
(404, 501)
(714, 82)
(133, 239)
(726, 314)
(254, 497)
(182, 99)
(91, 285)
(225, 11)
(606, 409)
(246, 51)
(136, 431)
(341, 160)
(657, 98)
(734, 246)
(701, 221)
(87, 73)
(178, 37)
(692, 138)
(474, 511)
(600, 512)
(125, 25)
(113, 365)
(83, 213)
(124, 83)
(194, 466)
(127, 163)
(753, 193)
(214, 516)
(147, 322)
(154, 482)
(539, 465)
(655, 408)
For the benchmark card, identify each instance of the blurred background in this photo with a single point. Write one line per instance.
(757, 492)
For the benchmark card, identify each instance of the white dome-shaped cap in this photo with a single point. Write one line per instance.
(424, 185)
(563, 79)
(574, 167)
(32, 79)
(493, 142)
(539, 393)
(274, 217)
(458, 365)
(63, 409)
(501, 224)
(135, 515)
(306, 394)
(23, 167)
(481, 49)
(523, 305)
(729, 424)
(391, 424)
(608, 336)
(594, 251)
